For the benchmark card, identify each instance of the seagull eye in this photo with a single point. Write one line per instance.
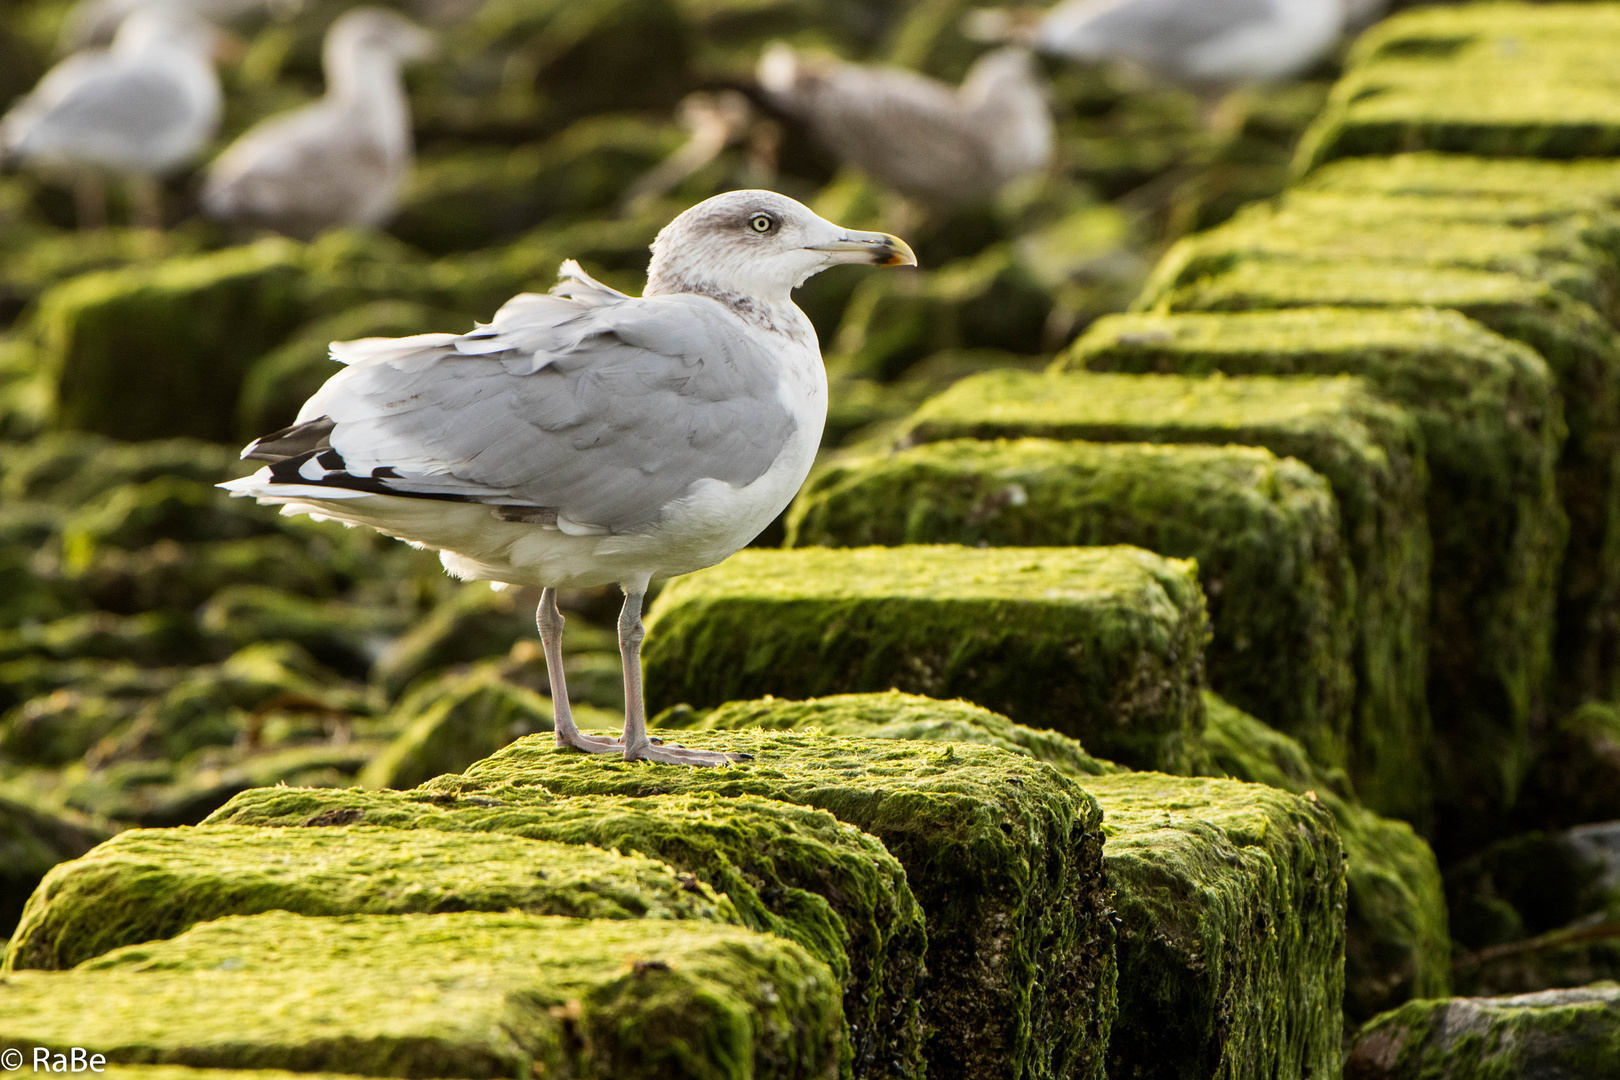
(762, 223)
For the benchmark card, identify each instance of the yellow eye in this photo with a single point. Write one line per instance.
(762, 223)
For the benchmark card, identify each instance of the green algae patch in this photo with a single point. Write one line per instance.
(893, 715)
(1369, 451)
(792, 871)
(155, 351)
(1263, 531)
(1397, 941)
(1003, 852)
(471, 994)
(149, 884)
(1554, 1033)
(1492, 428)
(1103, 644)
(1230, 901)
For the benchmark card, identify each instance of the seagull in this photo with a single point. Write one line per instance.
(139, 109)
(931, 143)
(588, 437)
(341, 160)
(94, 22)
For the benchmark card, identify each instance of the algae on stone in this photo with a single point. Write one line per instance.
(1263, 531)
(1021, 975)
(1369, 451)
(471, 994)
(1492, 431)
(1104, 644)
(150, 884)
(1230, 901)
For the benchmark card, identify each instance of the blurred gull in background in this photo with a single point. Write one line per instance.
(94, 22)
(915, 135)
(341, 160)
(140, 109)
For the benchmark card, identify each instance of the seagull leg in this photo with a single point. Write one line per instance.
(90, 201)
(550, 622)
(637, 746)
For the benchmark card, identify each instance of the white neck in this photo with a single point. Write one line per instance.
(368, 81)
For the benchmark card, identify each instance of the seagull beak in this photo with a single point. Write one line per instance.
(876, 248)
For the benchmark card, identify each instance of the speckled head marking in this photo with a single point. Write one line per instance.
(750, 249)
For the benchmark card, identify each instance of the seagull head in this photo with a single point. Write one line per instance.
(760, 246)
(379, 31)
(165, 25)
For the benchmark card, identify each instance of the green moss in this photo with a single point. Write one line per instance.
(1230, 901)
(1264, 533)
(340, 635)
(1104, 644)
(149, 352)
(472, 994)
(1581, 185)
(147, 885)
(1397, 941)
(154, 638)
(1579, 349)
(1021, 976)
(476, 623)
(1492, 429)
(34, 838)
(72, 468)
(893, 715)
(1554, 1033)
(787, 870)
(1369, 451)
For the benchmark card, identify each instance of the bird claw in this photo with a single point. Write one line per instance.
(591, 744)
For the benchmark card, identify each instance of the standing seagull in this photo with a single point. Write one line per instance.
(914, 134)
(139, 109)
(341, 160)
(589, 437)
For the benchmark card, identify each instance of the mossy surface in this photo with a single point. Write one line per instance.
(792, 871)
(1369, 451)
(1492, 432)
(1004, 854)
(1264, 532)
(472, 994)
(1397, 941)
(149, 884)
(1554, 1033)
(1230, 901)
(1583, 185)
(893, 715)
(1104, 644)
(144, 352)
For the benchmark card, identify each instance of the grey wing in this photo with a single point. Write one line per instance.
(625, 407)
(94, 105)
(1152, 29)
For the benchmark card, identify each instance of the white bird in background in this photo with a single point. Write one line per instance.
(341, 160)
(918, 136)
(140, 109)
(94, 22)
(588, 437)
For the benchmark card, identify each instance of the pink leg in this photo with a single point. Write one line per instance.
(637, 746)
(550, 622)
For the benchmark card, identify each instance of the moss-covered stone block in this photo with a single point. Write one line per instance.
(1576, 776)
(1502, 80)
(1104, 644)
(343, 636)
(1263, 531)
(1369, 451)
(1579, 185)
(1230, 899)
(475, 624)
(472, 994)
(153, 352)
(34, 838)
(152, 884)
(158, 638)
(1003, 853)
(1579, 349)
(787, 870)
(1492, 432)
(1397, 939)
(1574, 1032)
(893, 715)
(72, 468)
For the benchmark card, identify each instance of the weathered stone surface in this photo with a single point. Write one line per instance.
(1369, 451)
(472, 994)
(1545, 1036)
(1263, 531)
(1397, 940)
(787, 870)
(1104, 644)
(32, 840)
(1492, 431)
(1023, 979)
(1230, 901)
(151, 884)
